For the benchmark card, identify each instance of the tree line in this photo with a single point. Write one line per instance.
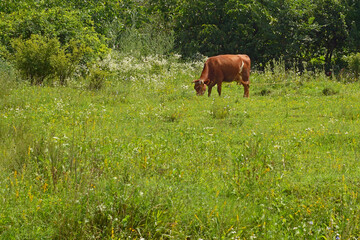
(318, 32)
(305, 33)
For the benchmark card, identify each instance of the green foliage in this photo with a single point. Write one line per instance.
(32, 57)
(67, 60)
(247, 27)
(297, 31)
(146, 41)
(353, 62)
(202, 21)
(7, 81)
(71, 31)
(331, 17)
(353, 18)
(97, 78)
(265, 92)
(39, 58)
(220, 110)
(329, 91)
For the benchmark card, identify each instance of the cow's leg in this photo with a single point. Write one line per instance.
(246, 88)
(209, 90)
(210, 86)
(245, 81)
(219, 88)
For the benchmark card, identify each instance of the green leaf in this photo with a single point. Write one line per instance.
(311, 20)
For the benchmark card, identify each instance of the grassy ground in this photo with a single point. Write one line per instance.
(145, 158)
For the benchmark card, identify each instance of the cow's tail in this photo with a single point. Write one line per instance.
(241, 68)
(240, 80)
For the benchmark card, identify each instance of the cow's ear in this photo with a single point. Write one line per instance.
(194, 81)
(207, 81)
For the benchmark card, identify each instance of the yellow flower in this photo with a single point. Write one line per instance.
(45, 187)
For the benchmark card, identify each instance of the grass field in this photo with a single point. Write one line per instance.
(145, 158)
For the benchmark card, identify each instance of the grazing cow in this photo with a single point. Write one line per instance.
(224, 68)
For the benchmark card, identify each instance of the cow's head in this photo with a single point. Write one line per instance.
(200, 86)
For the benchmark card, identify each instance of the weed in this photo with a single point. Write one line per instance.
(328, 91)
(353, 62)
(97, 78)
(265, 92)
(220, 110)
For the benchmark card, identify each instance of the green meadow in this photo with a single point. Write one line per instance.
(143, 157)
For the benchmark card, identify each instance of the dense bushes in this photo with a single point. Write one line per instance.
(54, 39)
(318, 34)
(32, 57)
(354, 64)
(40, 57)
(49, 42)
(297, 31)
(352, 71)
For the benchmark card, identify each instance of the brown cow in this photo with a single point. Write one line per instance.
(224, 68)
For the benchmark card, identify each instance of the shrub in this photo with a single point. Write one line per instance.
(39, 57)
(32, 57)
(97, 78)
(265, 92)
(66, 60)
(353, 62)
(67, 36)
(220, 110)
(329, 91)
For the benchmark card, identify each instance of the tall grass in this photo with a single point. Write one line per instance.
(8, 79)
(146, 41)
(145, 158)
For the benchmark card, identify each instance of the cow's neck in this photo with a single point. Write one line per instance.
(205, 72)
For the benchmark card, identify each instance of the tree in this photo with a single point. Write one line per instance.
(330, 15)
(199, 27)
(262, 29)
(353, 21)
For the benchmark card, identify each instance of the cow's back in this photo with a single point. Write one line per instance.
(226, 67)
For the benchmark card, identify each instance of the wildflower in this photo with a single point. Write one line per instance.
(185, 87)
(45, 187)
(31, 197)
